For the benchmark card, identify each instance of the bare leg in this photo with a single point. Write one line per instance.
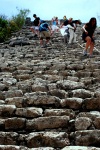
(41, 42)
(91, 48)
(37, 32)
(32, 30)
(88, 39)
(88, 43)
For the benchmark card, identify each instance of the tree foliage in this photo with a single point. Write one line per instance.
(3, 29)
(19, 19)
(12, 25)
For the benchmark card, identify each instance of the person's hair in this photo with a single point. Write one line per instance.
(34, 15)
(70, 18)
(77, 22)
(90, 22)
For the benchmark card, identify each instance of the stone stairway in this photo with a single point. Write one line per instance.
(49, 98)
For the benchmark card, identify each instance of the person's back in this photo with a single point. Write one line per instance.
(36, 21)
(43, 26)
(44, 33)
(65, 22)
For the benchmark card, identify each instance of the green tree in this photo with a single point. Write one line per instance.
(19, 19)
(3, 29)
(12, 25)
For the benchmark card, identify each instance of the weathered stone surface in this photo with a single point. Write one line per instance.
(87, 138)
(14, 123)
(51, 139)
(12, 147)
(8, 138)
(13, 93)
(31, 112)
(97, 122)
(49, 97)
(37, 100)
(80, 148)
(92, 103)
(17, 101)
(50, 122)
(82, 123)
(72, 103)
(7, 110)
(59, 112)
(69, 85)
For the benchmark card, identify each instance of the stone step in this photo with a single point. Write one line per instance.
(53, 139)
(49, 98)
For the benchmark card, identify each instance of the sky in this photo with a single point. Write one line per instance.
(47, 9)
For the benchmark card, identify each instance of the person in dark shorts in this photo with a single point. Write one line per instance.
(88, 36)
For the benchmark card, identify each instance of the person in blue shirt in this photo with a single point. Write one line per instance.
(54, 25)
(45, 32)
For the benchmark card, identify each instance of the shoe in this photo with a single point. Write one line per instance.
(91, 56)
(35, 35)
(43, 46)
(46, 45)
(75, 42)
(69, 45)
(84, 53)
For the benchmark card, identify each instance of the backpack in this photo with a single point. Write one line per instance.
(43, 27)
(41, 21)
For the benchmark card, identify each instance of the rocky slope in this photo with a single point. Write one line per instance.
(49, 98)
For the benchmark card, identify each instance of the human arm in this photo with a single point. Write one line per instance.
(49, 28)
(39, 22)
(61, 25)
(70, 27)
(84, 29)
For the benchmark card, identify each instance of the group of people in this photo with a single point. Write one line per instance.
(43, 30)
(68, 28)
